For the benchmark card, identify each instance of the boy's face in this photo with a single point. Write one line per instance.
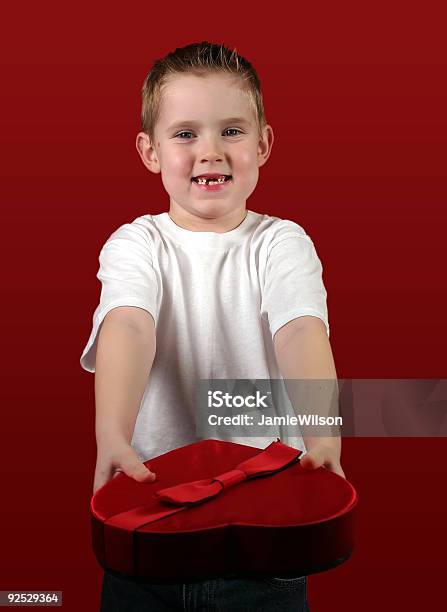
(198, 133)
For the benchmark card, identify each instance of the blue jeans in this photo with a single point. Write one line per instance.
(232, 594)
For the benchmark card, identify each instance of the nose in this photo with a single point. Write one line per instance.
(211, 157)
(212, 150)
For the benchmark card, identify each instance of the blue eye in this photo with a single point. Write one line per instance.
(187, 132)
(233, 130)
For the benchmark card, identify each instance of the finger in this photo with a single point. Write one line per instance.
(137, 470)
(312, 460)
(102, 476)
(336, 468)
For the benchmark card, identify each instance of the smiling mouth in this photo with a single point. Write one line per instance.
(212, 181)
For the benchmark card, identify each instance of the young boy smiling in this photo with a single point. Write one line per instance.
(206, 290)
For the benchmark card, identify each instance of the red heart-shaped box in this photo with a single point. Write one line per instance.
(288, 522)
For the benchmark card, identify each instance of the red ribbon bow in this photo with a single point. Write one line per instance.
(275, 457)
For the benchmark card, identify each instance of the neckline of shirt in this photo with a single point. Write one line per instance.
(207, 239)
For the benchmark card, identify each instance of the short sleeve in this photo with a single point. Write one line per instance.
(128, 278)
(293, 284)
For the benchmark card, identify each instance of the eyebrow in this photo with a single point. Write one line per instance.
(178, 124)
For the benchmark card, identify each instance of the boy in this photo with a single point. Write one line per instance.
(206, 290)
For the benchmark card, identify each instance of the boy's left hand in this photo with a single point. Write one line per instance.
(323, 452)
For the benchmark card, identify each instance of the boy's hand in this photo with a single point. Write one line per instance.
(118, 456)
(323, 452)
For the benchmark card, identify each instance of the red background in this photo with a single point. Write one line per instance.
(356, 96)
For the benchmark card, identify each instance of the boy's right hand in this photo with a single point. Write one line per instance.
(118, 456)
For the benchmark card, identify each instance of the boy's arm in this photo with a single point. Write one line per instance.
(303, 351)
(125, 354)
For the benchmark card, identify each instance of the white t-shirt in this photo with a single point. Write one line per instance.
(217, 300)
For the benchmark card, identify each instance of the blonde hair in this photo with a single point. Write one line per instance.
(199, 59)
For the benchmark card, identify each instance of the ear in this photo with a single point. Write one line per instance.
(265, 145)
(147, 152)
